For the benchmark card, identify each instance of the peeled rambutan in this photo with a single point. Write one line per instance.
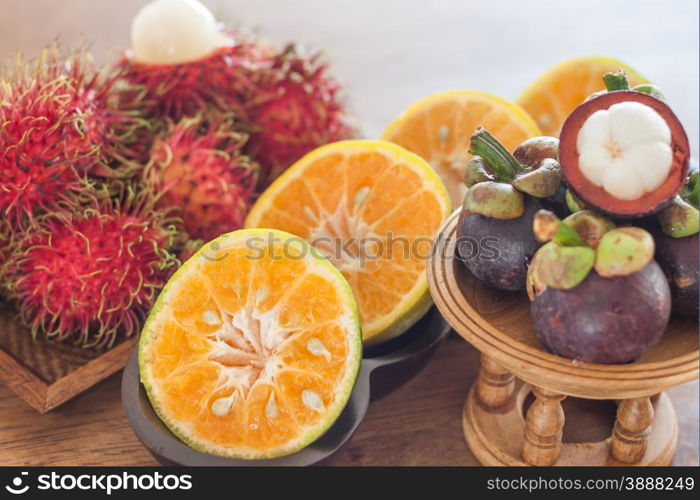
(181, 62)
(87, 273)
(58, 126)
(199, 169)
(295, 108)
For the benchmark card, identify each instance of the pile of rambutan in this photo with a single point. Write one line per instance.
(232, 110)
(110, 177)
(84, 249)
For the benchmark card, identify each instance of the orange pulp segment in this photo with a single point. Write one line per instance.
(438, 129)
(372, 208)
(553, 96)
(253, 347)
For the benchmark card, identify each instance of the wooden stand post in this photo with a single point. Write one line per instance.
(496, 384)
(543, 431)
(632, 429)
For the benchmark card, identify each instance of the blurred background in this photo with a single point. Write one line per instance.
(389, 53)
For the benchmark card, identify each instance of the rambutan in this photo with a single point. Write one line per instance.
(58, 126)
(219, 80)
(88, 273)
(295, 108)
(182, 63)
(198, 168)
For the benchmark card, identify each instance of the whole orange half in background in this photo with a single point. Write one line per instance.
(253, 347)
(438, 129)
(555, 94)
(373, 209)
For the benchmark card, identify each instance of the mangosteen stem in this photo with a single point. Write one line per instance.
(616, 81)
(547, 226)
(496, 155)
(567, 236)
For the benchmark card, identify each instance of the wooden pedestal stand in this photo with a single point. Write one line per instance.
(514, 363)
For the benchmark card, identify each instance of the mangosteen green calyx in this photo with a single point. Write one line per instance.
(677, 247)
(618, 81)
(495, 238)
(597, 294)
(531, 169)
(623, 151)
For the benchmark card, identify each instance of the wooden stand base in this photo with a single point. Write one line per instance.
(497, 435)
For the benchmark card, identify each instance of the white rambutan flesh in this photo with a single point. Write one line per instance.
(174, 32)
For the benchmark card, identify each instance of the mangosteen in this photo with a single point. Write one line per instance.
(678, 258)
(495, 239)
(497, 251)
(624, 152)
(597, 294)
(677, 247)
(539, 152)
(604, 320)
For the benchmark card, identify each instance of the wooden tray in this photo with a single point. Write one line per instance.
(47, 374)
(389, 367)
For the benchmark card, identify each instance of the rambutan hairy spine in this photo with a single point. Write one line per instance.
(59, 125)
(219, 80)
(296, 107)
(86, 274)
(198, 167)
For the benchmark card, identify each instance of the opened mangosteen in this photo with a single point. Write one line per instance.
(677, 247)
(597, 294)
(624, 152)
(495, 239)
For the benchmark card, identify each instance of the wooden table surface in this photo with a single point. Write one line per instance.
(388, 54)
(418, 424)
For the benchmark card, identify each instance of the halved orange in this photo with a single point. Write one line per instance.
(253, 347)
(372, 208)
(555, 94)
(438, 129)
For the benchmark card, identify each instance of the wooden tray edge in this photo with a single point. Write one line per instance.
(44, 397)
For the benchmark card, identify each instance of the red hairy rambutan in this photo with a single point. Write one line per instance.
(294, 109)
(219, 80)
(87, 273)
(198, 168)
(58, 126)
(182, 64)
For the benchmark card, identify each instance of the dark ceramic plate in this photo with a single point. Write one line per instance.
(384, 368)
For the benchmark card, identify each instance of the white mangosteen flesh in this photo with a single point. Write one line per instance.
(174, 32)
(625, 149)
